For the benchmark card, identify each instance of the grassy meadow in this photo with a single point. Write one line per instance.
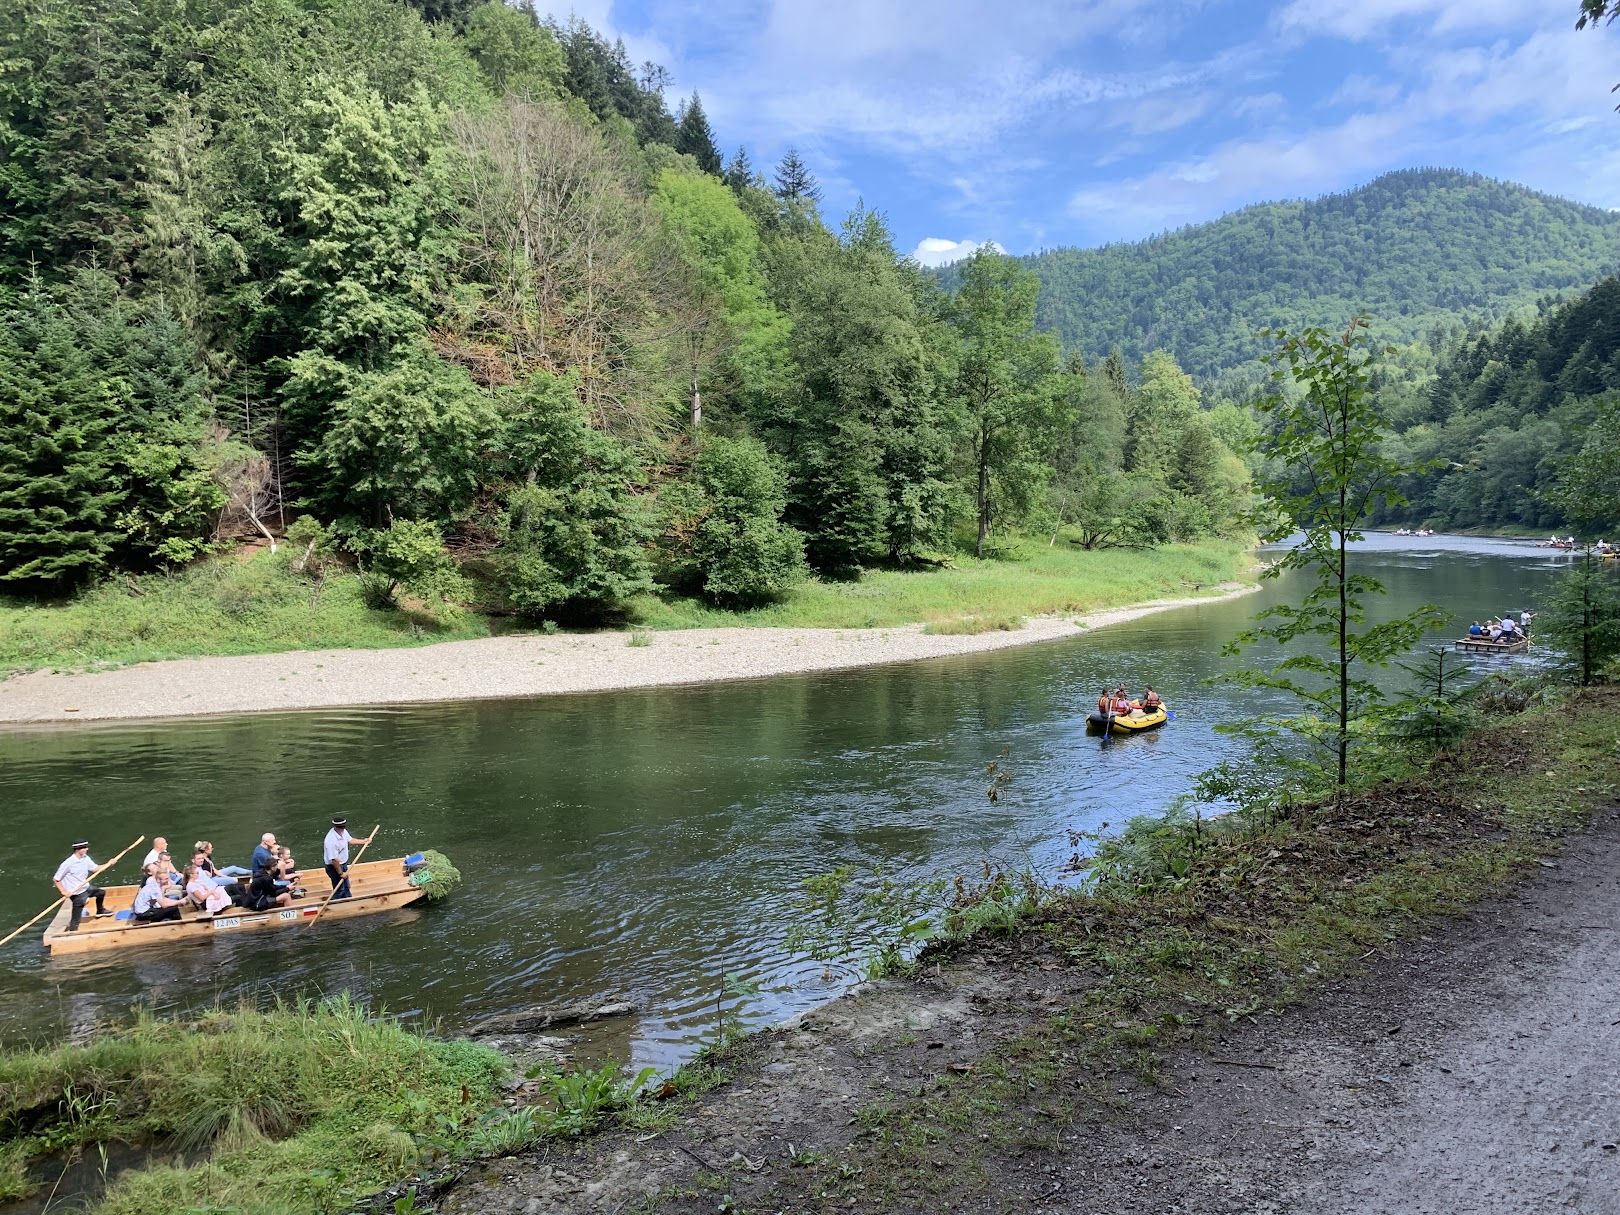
(257, 604)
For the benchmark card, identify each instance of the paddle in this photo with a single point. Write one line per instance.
(345, 877)
(66, 897)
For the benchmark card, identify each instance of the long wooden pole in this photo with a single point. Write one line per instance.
(345, 877)
(99, 869)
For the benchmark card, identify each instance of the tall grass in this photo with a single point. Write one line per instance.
(257, 604)
(300, 1108)
(228, 605)
(1040, 580)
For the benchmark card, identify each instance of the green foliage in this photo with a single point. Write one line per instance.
(724, 535)
(515, 52)
(1420, 249)
(572, 539)
(1581, 618)
(407, 555)
(308, 1107)
(583, 1098)
(873, 925)
(1327, 472)
(1516, 426)
(101, 435)
(1008, 385)
(437, 876)
(866, 430)
(228, 605)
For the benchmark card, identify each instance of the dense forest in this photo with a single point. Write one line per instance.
(455, 294)
(1501, 416)
(1422, 251)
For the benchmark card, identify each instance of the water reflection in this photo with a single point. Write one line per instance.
(638, 842)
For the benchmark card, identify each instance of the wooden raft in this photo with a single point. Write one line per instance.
(1476, 645)
(375, 886)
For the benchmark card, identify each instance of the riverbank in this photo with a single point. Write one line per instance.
(1241, 1033)
(514, 666)
(254, 602)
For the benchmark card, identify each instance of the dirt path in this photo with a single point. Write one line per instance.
(496, 667)
(1475, 1070)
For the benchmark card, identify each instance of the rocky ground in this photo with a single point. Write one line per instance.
(1474, 1068)
(496, 667)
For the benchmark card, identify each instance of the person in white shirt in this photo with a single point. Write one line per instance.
(203, 894)
(152, 901)
(336, 855)
(159, 847)
(73, 883)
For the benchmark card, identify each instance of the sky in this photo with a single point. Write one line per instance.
(1041, 123)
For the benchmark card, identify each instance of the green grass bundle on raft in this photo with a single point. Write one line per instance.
(437, 875)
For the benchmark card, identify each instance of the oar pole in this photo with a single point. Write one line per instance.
(345, 876)
(99, 869)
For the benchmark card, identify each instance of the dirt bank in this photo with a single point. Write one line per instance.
(499, 667)
(1182, 1054)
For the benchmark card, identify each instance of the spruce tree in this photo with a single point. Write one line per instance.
(740, 173)
(694, 138)
(56, 421)
(794, 182)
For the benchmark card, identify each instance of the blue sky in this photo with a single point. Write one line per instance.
(1038, 123)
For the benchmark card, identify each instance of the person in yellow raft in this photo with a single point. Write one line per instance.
(336, 855)
(73, 882)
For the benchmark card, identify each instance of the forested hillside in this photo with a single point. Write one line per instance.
(1418, 250)
(456, 298)
(1505, 414)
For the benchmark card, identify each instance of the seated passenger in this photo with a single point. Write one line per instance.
(263, 894)
(203, 894)
(1105, 703)
(152, 903)
(1150, 698)
(287, 876)
(1121, 707)
(207, 873)
(1475, 631)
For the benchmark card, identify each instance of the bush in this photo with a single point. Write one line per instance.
(739, 550)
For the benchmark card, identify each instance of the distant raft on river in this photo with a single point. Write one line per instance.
(1136, 720)
(375, 886)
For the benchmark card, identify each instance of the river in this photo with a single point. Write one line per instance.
(640, 842)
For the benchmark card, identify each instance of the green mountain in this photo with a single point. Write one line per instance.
(1420, 250)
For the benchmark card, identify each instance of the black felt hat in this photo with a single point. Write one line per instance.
(80, 844)
(340, 822)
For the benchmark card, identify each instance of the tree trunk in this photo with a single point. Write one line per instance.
(697, 407)
(984, 490)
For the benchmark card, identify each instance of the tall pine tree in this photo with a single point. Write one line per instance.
(694, 138)
(794, 182)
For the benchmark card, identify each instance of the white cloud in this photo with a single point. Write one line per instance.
(936, 251)
(1369, 20)
(1550, 84)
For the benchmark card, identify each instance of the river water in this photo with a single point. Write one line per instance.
(643, 843)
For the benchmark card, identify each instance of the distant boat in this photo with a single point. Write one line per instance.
(375, 886)
(1484, 645)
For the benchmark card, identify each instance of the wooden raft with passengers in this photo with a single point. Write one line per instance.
(375, 886)
(1497, 636)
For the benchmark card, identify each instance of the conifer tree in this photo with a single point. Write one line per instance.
(794, 182)
(694, 137)
(740, 173)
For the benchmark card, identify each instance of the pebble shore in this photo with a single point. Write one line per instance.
(503, 667)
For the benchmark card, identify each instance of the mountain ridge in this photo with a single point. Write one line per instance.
(1420, 250)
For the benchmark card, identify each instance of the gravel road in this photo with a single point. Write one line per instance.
(496, 667)
(1475, 1072)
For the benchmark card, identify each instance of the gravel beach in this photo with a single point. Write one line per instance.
(496, 667)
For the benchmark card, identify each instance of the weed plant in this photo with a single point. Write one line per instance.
(301, 1108)
(252, 605)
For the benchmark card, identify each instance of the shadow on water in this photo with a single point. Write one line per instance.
(639, 842)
